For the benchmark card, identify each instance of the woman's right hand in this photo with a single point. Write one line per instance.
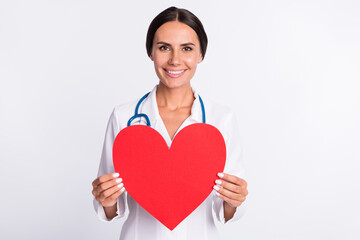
(107, 188)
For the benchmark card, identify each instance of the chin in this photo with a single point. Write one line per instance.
(174, 84)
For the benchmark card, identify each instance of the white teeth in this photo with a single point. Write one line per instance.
(175, 72)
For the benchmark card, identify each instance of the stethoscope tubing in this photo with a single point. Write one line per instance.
(139, 115)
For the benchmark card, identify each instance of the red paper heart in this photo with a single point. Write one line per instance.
(169, 183)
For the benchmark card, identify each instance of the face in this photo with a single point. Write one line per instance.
(176, 53)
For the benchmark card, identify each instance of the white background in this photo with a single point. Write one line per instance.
(290, 69)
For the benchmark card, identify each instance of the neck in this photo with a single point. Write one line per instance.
(174, 98)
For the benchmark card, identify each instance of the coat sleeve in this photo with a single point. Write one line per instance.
(233, 165)
(107, 166)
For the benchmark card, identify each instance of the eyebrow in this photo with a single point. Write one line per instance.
(183, 44)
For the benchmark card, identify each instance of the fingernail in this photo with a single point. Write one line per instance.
(217, 194)
(118, 180)
(123, 189)
(115, 175)
(218, 181)
(120, 185)
(216, 188)
(221, 175)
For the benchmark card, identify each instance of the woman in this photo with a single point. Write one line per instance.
(176, 42)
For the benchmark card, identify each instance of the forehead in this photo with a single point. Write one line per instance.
(175, 32)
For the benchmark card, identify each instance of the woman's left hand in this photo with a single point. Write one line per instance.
(232, 189)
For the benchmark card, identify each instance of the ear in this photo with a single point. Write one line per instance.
(200, 58)
(151, 57)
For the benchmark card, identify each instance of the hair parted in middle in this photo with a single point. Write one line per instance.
(180, 15)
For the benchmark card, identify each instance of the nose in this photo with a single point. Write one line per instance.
(174, 58)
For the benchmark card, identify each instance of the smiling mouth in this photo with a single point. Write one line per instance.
(175, 72)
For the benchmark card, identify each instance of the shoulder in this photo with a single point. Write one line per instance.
(218, 113)
(123, 112)
(223, 118)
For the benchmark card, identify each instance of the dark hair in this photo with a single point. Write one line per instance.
(181, 15)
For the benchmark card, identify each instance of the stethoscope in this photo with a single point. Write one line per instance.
(137, 114)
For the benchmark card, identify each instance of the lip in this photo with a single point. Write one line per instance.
(174, 70)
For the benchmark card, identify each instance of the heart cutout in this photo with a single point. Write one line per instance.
(169, 183)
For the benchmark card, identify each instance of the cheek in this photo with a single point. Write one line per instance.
(160, 59)
(191, 61)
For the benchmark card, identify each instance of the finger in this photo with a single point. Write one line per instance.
(232, 202)
(104, 178)
(228, 194)
(234, 179)
(106, 185)
(231, 187)
(111, 200)
(105, 194)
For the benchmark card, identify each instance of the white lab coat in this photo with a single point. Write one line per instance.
(199, 225)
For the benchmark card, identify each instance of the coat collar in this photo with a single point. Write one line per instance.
(150, 108)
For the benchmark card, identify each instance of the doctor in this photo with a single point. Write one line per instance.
(176, 43)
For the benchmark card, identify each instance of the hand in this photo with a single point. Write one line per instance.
(107, 188)
(231, 189)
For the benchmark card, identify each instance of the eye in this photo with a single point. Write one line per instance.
(187, 48)
(164, 48)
